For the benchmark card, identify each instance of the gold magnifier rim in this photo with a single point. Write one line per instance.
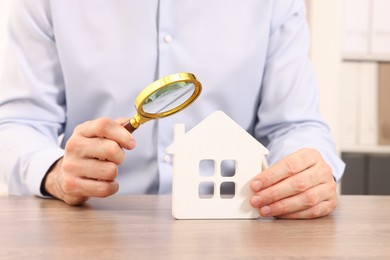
(158, 85)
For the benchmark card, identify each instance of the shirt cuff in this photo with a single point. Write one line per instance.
(39, 165)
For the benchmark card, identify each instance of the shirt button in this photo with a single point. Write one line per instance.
(167, 158)
(168, 38)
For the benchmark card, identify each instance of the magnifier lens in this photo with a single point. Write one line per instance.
(168, 98)
(164, 97)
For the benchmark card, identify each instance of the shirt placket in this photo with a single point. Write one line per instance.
(166, 40)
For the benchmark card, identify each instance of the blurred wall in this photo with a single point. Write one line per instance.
(326, 23)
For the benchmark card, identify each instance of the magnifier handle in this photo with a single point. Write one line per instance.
(129, 127)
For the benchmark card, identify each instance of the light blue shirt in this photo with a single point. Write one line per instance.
(72, 61)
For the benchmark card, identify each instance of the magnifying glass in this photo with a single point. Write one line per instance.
(164, 97)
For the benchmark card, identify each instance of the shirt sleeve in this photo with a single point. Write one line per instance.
(288, 114)
(32, 100)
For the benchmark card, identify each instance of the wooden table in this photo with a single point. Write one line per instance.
(141, 227)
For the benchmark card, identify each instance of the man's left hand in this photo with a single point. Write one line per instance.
(300, 186)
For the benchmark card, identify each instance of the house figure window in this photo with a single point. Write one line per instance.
(217, 179)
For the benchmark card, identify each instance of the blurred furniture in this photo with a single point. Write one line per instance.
(366, 173)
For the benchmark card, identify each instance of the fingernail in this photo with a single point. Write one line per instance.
(255, 201)
(257, 185)
(265, 211)
(131, 144)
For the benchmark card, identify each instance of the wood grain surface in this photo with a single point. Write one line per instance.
(141, 227)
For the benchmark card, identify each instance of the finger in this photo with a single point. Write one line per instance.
(91, 168)
(303, 201)
(109, 129)
(288, 166)
(320, 210)
(100, 148)
(84, 187)
(291, 186)
(104, 150)
(122, 120)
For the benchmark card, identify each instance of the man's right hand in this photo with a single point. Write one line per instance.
(90, 164)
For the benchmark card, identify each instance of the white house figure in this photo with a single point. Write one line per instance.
(213, 164)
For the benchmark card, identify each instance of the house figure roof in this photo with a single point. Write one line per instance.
(218, 128)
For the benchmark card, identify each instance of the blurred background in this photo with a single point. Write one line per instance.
(350, 51)
(351, 54)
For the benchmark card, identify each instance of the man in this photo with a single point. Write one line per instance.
(75, 66)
